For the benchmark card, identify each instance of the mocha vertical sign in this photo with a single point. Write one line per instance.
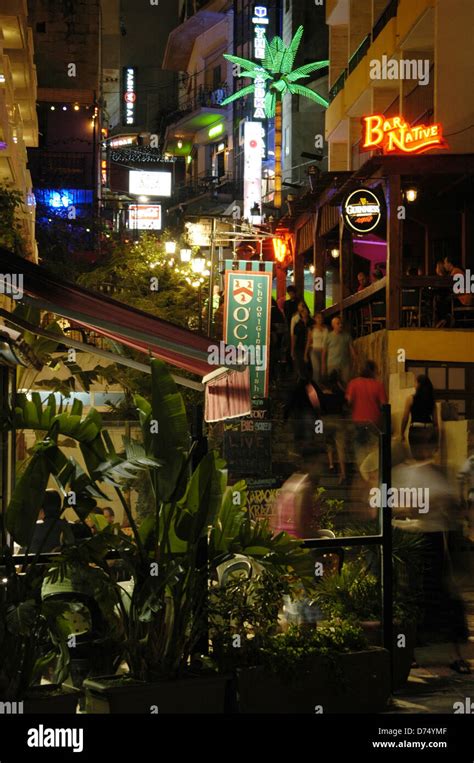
(247, 322)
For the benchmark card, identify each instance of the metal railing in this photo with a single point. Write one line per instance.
(338, 85)
(389, 13)
(359, 54)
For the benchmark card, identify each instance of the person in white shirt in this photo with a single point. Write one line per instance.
(314, 346)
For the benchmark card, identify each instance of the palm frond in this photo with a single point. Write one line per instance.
(290, 53)
(306, 70)
(269, 60)
(270, 103)
(242, 62)
(238, 94)
(308, 93)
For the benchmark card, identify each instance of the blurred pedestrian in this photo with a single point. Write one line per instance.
(314, 346)
(338, 352)
(299, 341)
(420, 409)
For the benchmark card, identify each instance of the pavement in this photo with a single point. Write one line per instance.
(433, 687)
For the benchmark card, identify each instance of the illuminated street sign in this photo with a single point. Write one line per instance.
(129, 95)
(394, 135)
(362, 211)
(144, 216)
(253, 145)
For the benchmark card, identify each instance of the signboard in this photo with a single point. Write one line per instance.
(247, 322)
(129, 95)
(199, 234)
(362, 211)
(247, 448)
(394, 135)
(144, 217)
(253, 147)
(150, 183)
(260, 21)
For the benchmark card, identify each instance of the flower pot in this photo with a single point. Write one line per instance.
(402, 655)
(54, 699)
(122, 694)
(352, 682)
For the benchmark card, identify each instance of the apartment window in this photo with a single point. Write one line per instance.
(41, 27)
(216, 77)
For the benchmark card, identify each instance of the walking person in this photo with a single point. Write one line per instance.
(314, 346)
(366, 395)
(420, 409)
(332, 404)
(338, 352)
(299, 340)
(443, 556)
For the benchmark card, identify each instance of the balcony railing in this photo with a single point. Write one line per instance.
(338, 85)
(359, 54)
(206, 97)
(60, 169)
(389, 13)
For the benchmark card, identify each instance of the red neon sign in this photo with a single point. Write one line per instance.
(394, 135)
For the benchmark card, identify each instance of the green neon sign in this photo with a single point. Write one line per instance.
(216, 130)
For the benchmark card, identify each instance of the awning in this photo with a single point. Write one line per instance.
(135, 328)
(227, 395)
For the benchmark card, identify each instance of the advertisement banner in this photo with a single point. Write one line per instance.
(144, 217)
(253, 145)
(247, 322)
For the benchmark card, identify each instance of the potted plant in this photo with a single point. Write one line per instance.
(328, 669)
(354, 594)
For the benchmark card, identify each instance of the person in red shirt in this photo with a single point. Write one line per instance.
(365, 394)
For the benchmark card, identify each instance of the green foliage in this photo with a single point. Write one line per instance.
(10, 233)
(127, 269)
(277, 71)
(354, 593)
(243, 615)
(292, 653)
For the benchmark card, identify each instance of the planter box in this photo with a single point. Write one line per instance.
(353, 682)
(51, 699)
(402, 656)
(116, 694)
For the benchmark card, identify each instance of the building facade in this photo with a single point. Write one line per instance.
(18, 121)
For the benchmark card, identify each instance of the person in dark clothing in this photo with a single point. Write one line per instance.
(420, 409)
(49, 529)
(277, 335)
(331, 396)
(299, 340)
(291, 305)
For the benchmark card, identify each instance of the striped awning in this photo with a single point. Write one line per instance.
(141, 331)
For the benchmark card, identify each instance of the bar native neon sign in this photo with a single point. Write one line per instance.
(394, 135)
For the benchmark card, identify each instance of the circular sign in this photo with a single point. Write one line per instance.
(130, 97)
(362, 211)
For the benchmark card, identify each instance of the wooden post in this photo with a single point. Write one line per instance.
(281, 281)
(394, 251)
(298, 270)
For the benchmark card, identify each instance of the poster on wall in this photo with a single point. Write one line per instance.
(247, 322)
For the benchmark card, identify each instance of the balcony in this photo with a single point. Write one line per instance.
(389, 13)
(60, 170)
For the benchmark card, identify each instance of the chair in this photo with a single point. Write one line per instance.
(411, 307)
(373, 314)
